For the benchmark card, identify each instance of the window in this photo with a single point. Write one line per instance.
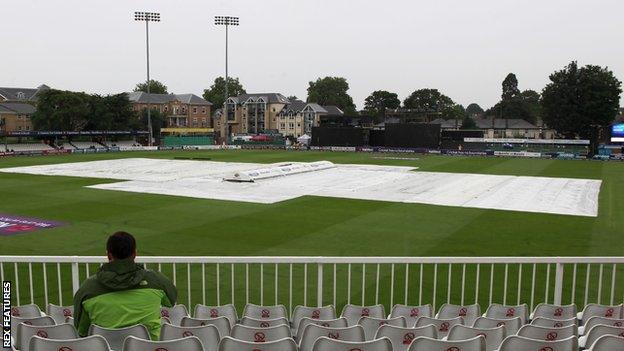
(194, 109)
(19, 128)
(273, 109)
(291, 125)
(203, 110)
(21, 95)
(166, 108)
(282, 125)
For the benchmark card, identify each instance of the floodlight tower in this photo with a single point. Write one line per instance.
(226, 21)
(148, 17)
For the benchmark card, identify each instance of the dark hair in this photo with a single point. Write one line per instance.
(121, 245)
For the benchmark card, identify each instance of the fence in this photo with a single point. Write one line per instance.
(339, 280)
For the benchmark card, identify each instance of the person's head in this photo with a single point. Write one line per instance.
(121, 245)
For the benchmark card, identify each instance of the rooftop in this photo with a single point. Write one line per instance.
(192, 99)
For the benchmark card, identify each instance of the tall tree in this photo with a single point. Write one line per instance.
(292, 97)
(378, 101)
(332, 91)
(62, 111)
(510, 88)
(155, 86)
(216, 92)
(579, 99)
(474, 109)
(428, 100)
(515, 104)
(531, 99)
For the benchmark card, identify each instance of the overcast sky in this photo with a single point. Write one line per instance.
(463, 48)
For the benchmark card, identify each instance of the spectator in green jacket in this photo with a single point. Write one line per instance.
(123, 293)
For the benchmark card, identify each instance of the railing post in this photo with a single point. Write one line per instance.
(75, 275)
(319, 286)
(558, 283)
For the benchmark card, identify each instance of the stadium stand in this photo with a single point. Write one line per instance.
(87, 145)
(191, 343)
(26, 147)
(329, 344)
(401, 338)
(428, 344)
(207, 334)
(40, 332)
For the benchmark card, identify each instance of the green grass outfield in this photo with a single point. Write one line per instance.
(312, 226)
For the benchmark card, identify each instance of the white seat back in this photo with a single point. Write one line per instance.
(58, 332)
(428, 344)
(553, 323)
(318, 313)
(221, 323)
(594, 321)
(91, 343)
(401, 338)
(35, 321)
(313, 332)
(174, 314)
(512, 324)
(207, 334)
(26, 311)
(411, 313)
(601, 330)
(191, 343)
(442, 325)
(227, 311)
(548, 334)
(469, 313)
(493, 336)
(60, 313)
(555, 311)
(231, 344)
(608, 343)
(371, 325)
(597, 310)
(521, 343)
(265, 312)
(499, 311)
(263, 323)
(328, 344)
(353, 313)
(115, 337)
(245, 333)
(330, 323)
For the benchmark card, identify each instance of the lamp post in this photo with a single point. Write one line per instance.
(226, 21)
(148, 17)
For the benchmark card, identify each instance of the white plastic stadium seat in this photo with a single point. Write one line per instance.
(263, 323)
(116, 336)
(442, 325)
(371, 325)
(191, 343)
(59, 332)
(328, 344)
(26, 311)
(221, 323)
(330, 323)
(313, 332)
(174, 314)
(60, 313)
(353, 313)
(594, 321)
(411, 313)
(596, 332)
(265, 312)
(520, 343)
(554, 311)
(548, 334)
(597, 310)
(228, 311)
(608, 343)
(512, 325)
(401, 338)
(428, 344)
(207, 334)
(468, 312)
(553, 323)
(244, 333)
(36, 321)
(91, 343)
(231, 344)
(499, 311)
(319, 313)
(493, 336)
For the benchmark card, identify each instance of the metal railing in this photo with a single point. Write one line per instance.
(340, 280)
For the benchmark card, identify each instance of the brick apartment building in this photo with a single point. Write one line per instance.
(178, 110)
(17, 106)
